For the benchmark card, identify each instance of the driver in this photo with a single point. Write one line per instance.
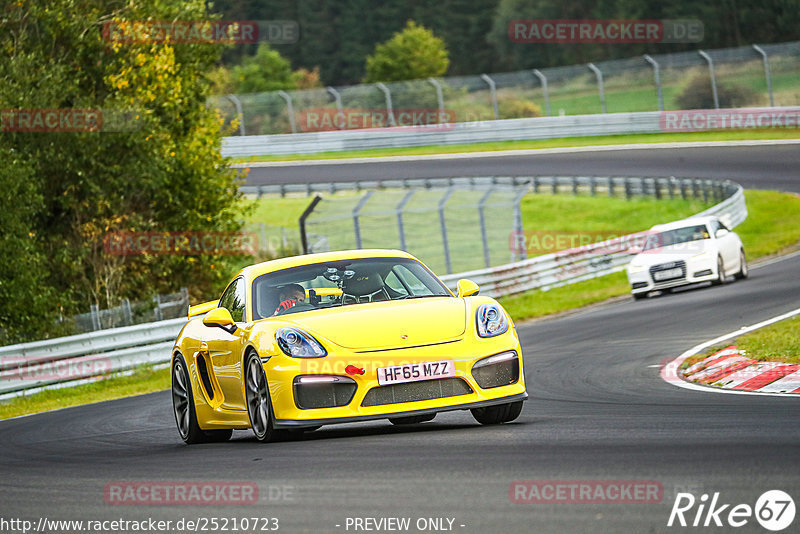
(291, 296)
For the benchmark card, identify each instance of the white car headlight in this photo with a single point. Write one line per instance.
(491, 320)
(636, 268)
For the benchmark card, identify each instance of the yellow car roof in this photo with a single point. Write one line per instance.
(258, 269)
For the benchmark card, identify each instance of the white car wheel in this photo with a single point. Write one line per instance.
(743, 270)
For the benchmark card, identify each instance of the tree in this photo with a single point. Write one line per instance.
(154, 165)
(265, 71)
(411, 54)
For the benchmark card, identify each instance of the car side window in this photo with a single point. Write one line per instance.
(723, 226)
(233, 300)
(713, 226)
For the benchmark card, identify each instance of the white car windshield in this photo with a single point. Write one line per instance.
(342, 283)
(679, 235)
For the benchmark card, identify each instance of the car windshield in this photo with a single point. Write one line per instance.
(342, 283)
(679, 235)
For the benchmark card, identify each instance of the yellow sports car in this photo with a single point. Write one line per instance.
(338, 337)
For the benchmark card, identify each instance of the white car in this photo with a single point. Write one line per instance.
(686, 252)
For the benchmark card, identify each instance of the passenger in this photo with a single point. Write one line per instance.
(291, 296)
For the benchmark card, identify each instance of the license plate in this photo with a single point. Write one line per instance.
(414, 372)
(669, 273)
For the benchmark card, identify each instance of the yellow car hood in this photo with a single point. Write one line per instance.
(383, 325)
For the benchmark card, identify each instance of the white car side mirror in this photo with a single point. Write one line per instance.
(721, 233)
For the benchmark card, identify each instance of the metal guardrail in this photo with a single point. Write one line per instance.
(75, 359)
(585, 262)
(442, 134)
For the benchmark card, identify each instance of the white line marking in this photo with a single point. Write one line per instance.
(669, 372)
(774, 260)
(511, 153)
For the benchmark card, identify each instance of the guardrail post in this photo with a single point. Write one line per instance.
(671, 187)
(302, 222)
(290, 108)
(695, 189)
(611, 192)
(592, 186)
(482, 217)
(400, 228)
(575, 186)
(157, 309)
(555, 185)
(356, 213)
(713, 77)
(443, 226)
(657, 188)
(706, 192)
(657, 77)
(95, 315)
(543, 81)
(238, 105)
(600, 87)
(767, 74)
(439, 98)
(493, 93)
(683, 189)
(518, 228)
(628, 192)
(387, 95)
(536, 184)
(339, 110)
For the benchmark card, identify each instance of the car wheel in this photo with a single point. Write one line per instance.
(743, 270)
(183, 407)
(259, 407)
(494, 415)
(639, 296)
(412, 419)
(720, 273)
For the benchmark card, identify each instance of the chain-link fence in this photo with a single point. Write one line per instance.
(749, 76)
(161, 307)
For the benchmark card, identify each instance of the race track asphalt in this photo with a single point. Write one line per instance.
(598, 410)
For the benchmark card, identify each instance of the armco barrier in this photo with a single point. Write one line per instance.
(73, 359)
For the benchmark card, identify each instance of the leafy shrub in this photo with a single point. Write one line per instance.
(698, 95)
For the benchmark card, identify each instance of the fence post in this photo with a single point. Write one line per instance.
(185, 299)
(767, 74)
(611, 192)
(387, 95)
(157, 309)
(628, 192)
(339, 111)
(128, 314)
(493, 93)
(543, 81)
(683, 189)
(713, 77)
(95, 314)
(443, 226)
(599, 76)
(288, 98)
(518, 229)
(575, 186)
(238, 105)
(439, 98)
(657, 76)
(400, 228)
(302, 222)
(592, 186)
(482, 217)
(356, 213)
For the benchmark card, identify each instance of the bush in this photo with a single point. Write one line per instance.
(698, 95)
(517, 108)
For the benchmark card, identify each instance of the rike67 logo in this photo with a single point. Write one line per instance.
(774, 510)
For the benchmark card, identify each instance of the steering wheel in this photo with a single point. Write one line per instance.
(303, 306)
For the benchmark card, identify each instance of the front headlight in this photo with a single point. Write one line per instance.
(491, 320)
(298, 344)
(635, 268)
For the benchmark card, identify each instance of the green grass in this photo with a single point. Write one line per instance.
(143, 380)
(735, 135)
(779, 342)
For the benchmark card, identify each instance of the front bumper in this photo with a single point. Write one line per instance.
(282, 371)
(694, 271)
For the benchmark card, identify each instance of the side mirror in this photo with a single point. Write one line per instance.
(221, 318)
(721, 233)
(467, 288)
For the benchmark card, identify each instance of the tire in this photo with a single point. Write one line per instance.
(412, 419)
(639, 296)
(744, 271)
(720, 273)
(184, 410)
(494, 415)
(259, 406)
